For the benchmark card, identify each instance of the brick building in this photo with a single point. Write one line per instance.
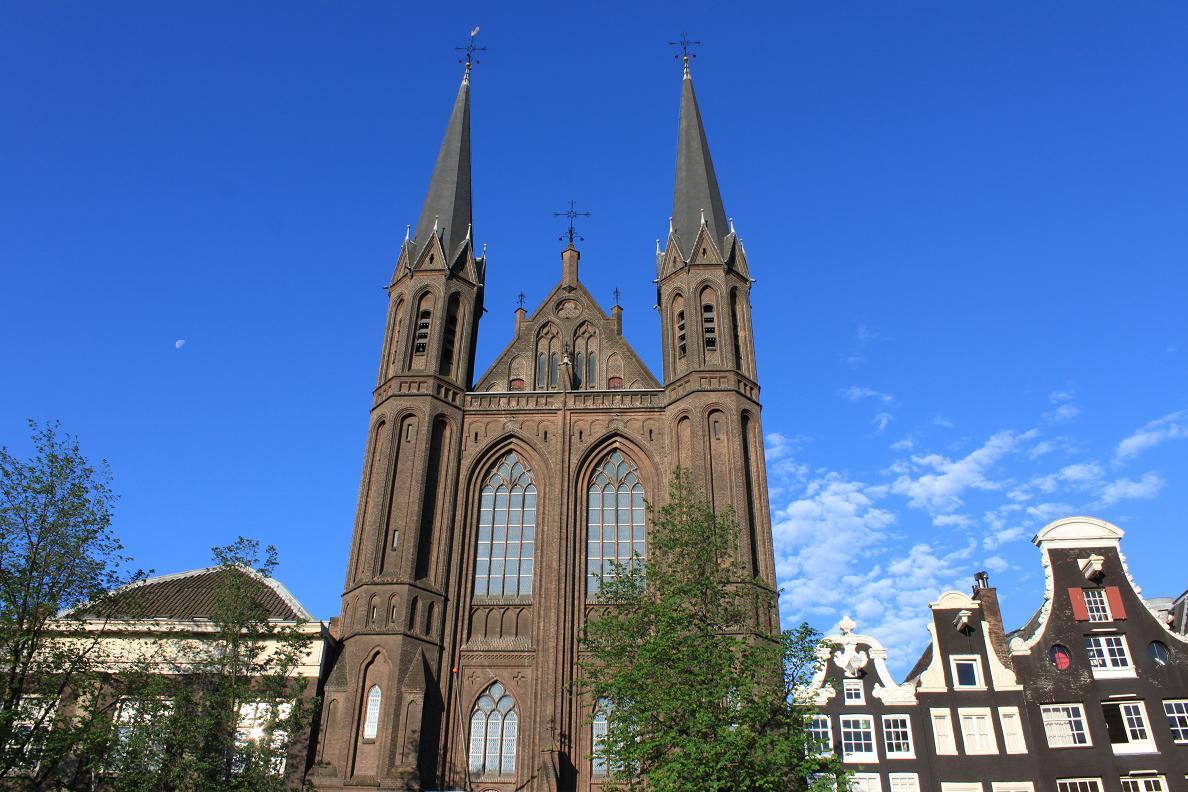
(488, 507)
(1090, 695)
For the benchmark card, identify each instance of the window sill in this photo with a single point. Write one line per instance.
(901, 756)
(864, 758)
(1126, 672)
(970, 688)
(1142, 747)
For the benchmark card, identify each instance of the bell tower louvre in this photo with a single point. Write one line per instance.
(489, 509)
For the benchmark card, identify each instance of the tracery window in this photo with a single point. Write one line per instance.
(548, 355)
(493, 727)
(585, 347)
(506, 532)
(614, 519)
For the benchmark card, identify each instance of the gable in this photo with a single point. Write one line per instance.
(568, 322)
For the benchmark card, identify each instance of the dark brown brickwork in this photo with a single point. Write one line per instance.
(434, 624)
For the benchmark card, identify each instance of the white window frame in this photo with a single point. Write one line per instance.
(910, 753)
(985, 715)
(1129, 710)
(1013, 739)
(1080, 716)
(827, 732)
(1100, 604)
(961, 786)
(1012, 786)
(1062, 784)
(1111, 669)
(252, 727)
(1176, 711)
(866, 782)
(977, 664)
(903, 782)
(372, 714)
(943, 736)
(856, 757)
(853, 686)
(1140, 783)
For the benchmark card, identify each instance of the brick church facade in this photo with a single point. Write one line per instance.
(489, 507)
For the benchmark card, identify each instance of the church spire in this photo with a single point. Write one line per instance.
(446, 211)
(696, 200)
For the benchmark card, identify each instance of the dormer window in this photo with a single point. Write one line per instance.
(852, 691)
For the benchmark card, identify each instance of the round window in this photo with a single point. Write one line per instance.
(1060, 657)
(1158, 650)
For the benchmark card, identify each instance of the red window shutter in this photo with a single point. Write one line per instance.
(1114, 597)
(1077, 597)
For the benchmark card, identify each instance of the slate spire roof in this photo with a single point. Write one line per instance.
(696, 194)
(447, 203)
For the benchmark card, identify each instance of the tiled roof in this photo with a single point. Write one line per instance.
(191, 595)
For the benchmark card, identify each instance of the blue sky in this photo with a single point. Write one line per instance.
(968, 225)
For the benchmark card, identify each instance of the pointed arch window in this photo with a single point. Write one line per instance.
(585, 370)
(450, 338)
(678, 327)
(548, 348)
(614, 519)
(493, 728)
(504, 554)
(371, 715)
(736, 327)
(424, 322)
(708, 330)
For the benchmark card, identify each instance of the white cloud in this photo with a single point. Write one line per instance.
(1169, 427)
(995, 563)
(942, 421)
(865, 333)
(856, 393)
(946, 520)
(1065, 412)
(940, 491)
(1056, 397)
(1128, 489)
(906, 444)
(855, 360)
(882, 421)
(1040, 449)
(1001, 537)
(179, 343)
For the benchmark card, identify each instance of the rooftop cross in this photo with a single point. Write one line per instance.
(470, 49)
(616, 295)
(684, 43)
(520, 300)
(572, 214)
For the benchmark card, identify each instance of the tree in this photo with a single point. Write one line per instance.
(57, 551)
(690, 681)
(226, 722)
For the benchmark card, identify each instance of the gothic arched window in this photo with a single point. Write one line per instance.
(451, 336)
(372, 714)
(493, 726)
(506, 532)
(678, 327)
(548, 347)
(709, 331)
(614, 519)
(585, 370)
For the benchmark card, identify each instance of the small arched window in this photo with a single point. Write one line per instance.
(601, 725)
(579, 369)
(708, 330)
(614, 519)
(371, 715)
(493, 728)
(585, 370)
(678, 325)
(450, 338)
(423, 321)
(736, 327)
(553, 369)
(548, 347)
(394, 352)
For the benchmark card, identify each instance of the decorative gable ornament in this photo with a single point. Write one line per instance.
(849, 658)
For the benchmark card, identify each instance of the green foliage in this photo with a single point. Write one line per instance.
(57, 551)
(685, 654)
(225, 722)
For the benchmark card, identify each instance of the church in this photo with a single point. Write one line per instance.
(490, 506)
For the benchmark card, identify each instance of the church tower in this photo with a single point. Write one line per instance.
(704, 292)
(489, 509)
(382, 704)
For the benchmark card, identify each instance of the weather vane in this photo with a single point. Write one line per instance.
(616, 295)
(572, 214)
(470, 49)
(684, 43)
(520, 300)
